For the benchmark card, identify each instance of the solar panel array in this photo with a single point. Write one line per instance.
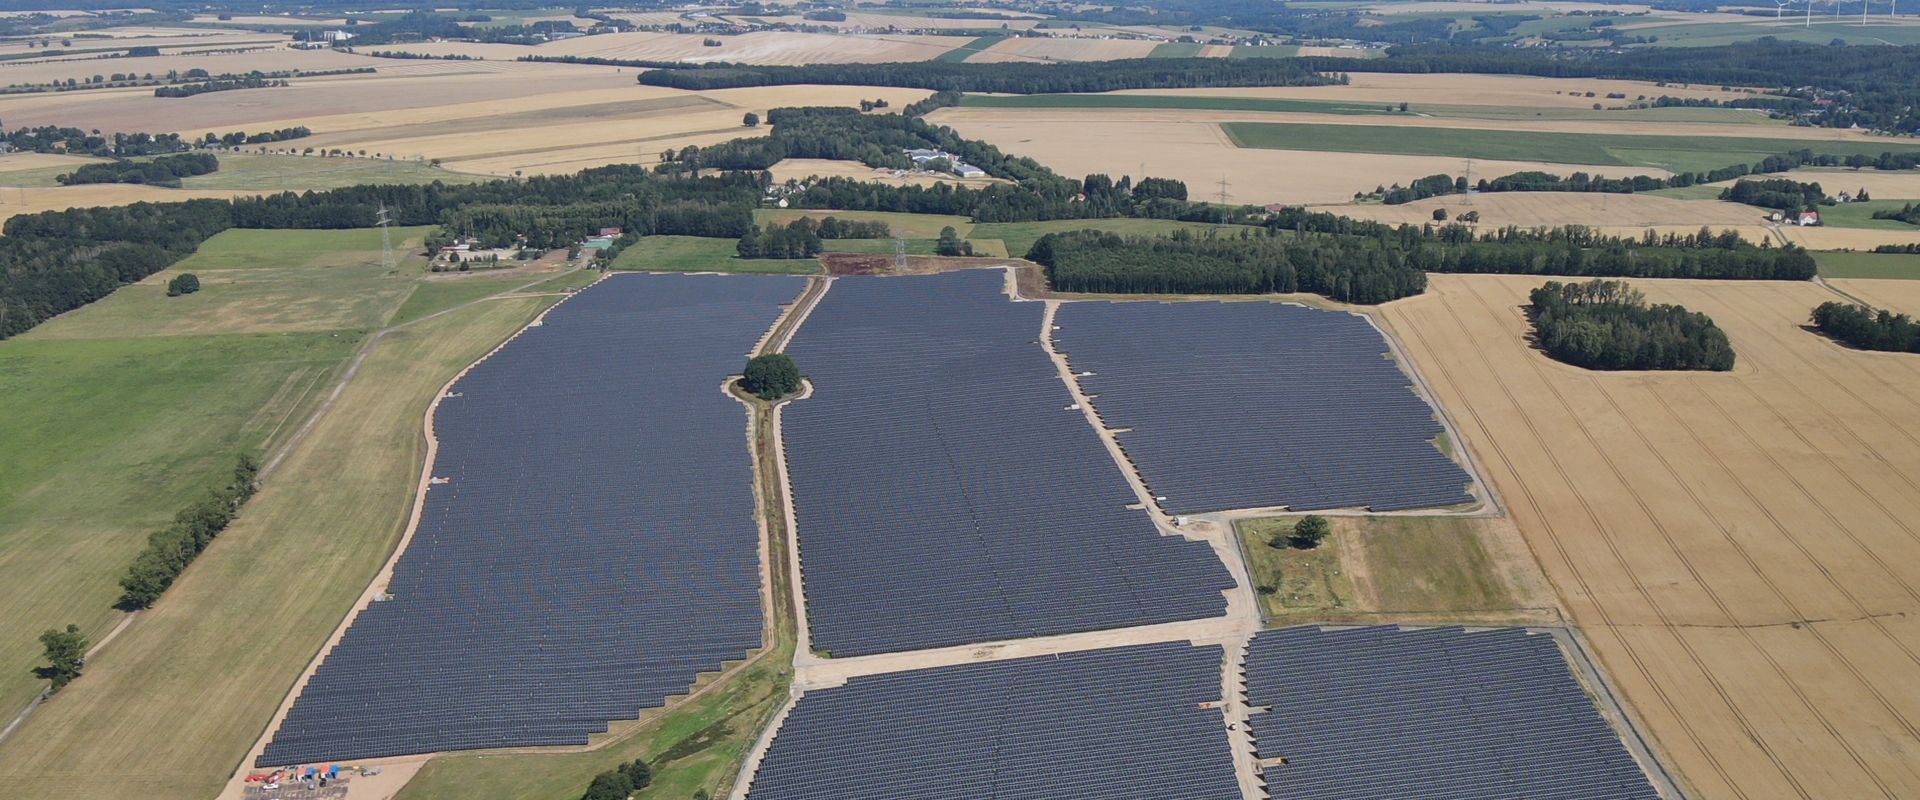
(1257, 405)
(1118, 724)
(945, 492)
(594, 545)
(1436, 714)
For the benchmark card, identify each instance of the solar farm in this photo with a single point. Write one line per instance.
(1258, 405)
(945, 490)
(587, 546)
(1126, 723)
(1435, 713)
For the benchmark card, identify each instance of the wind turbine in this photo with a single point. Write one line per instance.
(1780, 8)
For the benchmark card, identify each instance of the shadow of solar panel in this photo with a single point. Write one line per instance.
(1432, 713)
(945, 493)
(1117, 724)
(593, 549)
(1256, 405)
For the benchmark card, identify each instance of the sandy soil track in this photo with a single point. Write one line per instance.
(1741, 549)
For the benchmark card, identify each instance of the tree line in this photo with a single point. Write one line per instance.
(1352, 269)
(161, 171)
(1781, 194)
(1909, 213)
(802, 238)
(56, 139)
(1538, 181)
(1608, 325)
(191, 89)
(1867, 329)
(170, 549)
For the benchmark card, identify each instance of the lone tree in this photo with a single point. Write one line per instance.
(950, 244)
(771, 376)
(1309, 531)
(185, 283)
(620, 782)
(66, 654)
(751, 120)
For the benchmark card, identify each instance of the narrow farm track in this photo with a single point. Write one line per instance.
(1736, 545)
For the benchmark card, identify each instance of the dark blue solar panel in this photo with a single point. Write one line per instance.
(593, 548)
(944, 491)
(1257, 405)
(1437, 714)
(1118, 724)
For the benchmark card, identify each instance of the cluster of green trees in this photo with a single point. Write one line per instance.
(191, 89)
(1781, 194)
(184, 283)
(1005, 77)
(56, 139)
(551, 226)
(238, 138)
(1909, 249)
(1350, 268)
(771, 376)
(1909, 213)
(170, 549)
(1609, 325)
(795, 240)
(1306, 534)
(1421, 189)
(620, 782)
(950, 244)
(66, 655)
(1867, 329)
(877, 140)
(162, 171)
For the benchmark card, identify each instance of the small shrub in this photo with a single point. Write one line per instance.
(184, 283)
(1309, 532)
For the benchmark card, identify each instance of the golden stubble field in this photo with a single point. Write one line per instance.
(1163, 145)
(1741, 549)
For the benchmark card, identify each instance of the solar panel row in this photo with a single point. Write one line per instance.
(1256, 405)
(1437, 714)
(944, 491)
(592, 550)
(1117, 724)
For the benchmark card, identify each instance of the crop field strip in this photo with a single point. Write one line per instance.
(1769, 661)
(1122, 723)
(1438, 713)
(1258, 405)
(588, 547)
(1670, 152)
(946, 494)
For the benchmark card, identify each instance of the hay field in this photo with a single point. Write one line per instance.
(12, 72)
(1197, 152)
(1064, 49)
(1830, 238)
(1881, 185)
(1740, 549)
(18, 162)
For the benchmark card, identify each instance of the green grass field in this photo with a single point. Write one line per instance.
(912, 226)
(123, 410)
(281, 172)
(1676, 153)
(1426, 567)
(1020, 236)
(277, 172)
(1825, 29)
(699, 254)
(1860, 215)
(1176, 50)
(1837, 264)
(966, 51)
(254, 609)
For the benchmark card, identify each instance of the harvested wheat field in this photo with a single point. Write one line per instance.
(1897, 295)
(1198, 153)
(1888, 185)
(308, 98)
(1741, 549)
(802, 168)
(277, 58)
(1593, 209)
(767, 47)
(16, 201)
(15, 162)
(1831, 238)
(1473, 90)
(1063, 49)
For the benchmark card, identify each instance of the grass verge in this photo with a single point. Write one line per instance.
(1370, 568)
(1840, 264)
